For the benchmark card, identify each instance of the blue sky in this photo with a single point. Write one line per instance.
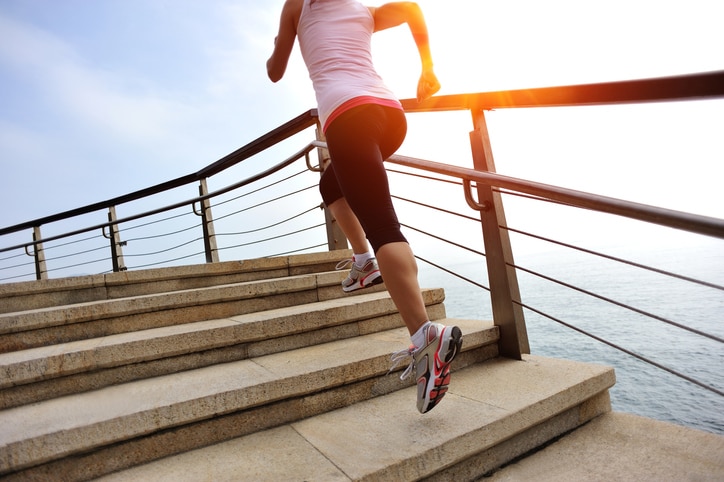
(102, 97)
(112, 96)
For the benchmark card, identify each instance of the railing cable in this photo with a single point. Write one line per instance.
(273, 237)
(457, 275)
(26, 275)
(29, 263)
(60, 245)
(200, 253)
(78, 253)
(152, 212)
(619, 260)
(435, 208)
(13, 257)
(157, 221)
(624, 350)
(439, 238)
(297, 250)
(259, 189)
(268, 201)
(85, 263)
(618, 303)
(270, 225)
(422, 176)
(138, 255)
(156, 236)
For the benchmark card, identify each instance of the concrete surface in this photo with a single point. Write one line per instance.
(385, 438)
(623, 447)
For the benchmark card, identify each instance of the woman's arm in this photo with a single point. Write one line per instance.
(396, 13)
(284, 41)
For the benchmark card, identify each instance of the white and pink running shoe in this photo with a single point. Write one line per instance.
(359, 278)
(431, 363)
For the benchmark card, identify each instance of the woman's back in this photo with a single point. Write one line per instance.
(335, 39)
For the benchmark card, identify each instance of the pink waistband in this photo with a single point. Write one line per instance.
(357, 101)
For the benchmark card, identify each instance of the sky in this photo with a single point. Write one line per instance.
(99, 98)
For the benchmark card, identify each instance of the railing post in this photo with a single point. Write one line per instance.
(508, 316)
(207, 222)
(41, 270)
(115, 240)
(336, 238)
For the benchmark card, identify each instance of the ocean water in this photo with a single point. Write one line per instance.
(640, 387)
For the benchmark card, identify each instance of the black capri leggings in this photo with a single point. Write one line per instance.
(359, 141)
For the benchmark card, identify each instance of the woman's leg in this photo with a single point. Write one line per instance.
(399, 270)
(358, 144)
(341, 211)
(350, 225)
(354, 141)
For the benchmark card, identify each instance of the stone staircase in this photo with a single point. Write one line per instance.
(258, 370)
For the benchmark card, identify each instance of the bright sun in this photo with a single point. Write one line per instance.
(485, 45)
(452, 26)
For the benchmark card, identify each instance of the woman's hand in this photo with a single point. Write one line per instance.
(428, 85)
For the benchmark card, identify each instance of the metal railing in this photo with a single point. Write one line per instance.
(201, 241)
(203, 226)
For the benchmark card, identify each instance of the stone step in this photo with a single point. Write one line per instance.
(485, 421)
(51, 371)
(44, 326)
(123, 425)
(623, 447)
(32, 295)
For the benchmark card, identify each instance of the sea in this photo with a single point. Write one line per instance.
(641, 388)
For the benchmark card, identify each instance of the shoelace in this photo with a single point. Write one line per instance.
(397, 358)
(343, 264)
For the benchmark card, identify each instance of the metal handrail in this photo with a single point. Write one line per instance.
(681, 88)
(285, 163)
(707, 85)
(285, 131)
(643, 212)
(592, 294)
(696, 86)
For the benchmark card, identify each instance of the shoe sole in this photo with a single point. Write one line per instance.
(454, 346)
(358, 286)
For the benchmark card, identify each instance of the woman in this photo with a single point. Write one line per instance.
(364, 124)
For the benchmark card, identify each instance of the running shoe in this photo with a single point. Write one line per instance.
(359, 278)
(431, 363)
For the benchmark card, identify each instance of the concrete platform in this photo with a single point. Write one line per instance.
(623, 447)
(612, 447)
(385, 438)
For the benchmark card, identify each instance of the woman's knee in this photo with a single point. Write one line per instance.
(390, 234)
(329, 187)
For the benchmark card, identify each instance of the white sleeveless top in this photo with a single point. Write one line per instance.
(335, 39)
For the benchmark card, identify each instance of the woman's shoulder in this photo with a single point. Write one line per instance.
(294, 6)
(293, 10)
